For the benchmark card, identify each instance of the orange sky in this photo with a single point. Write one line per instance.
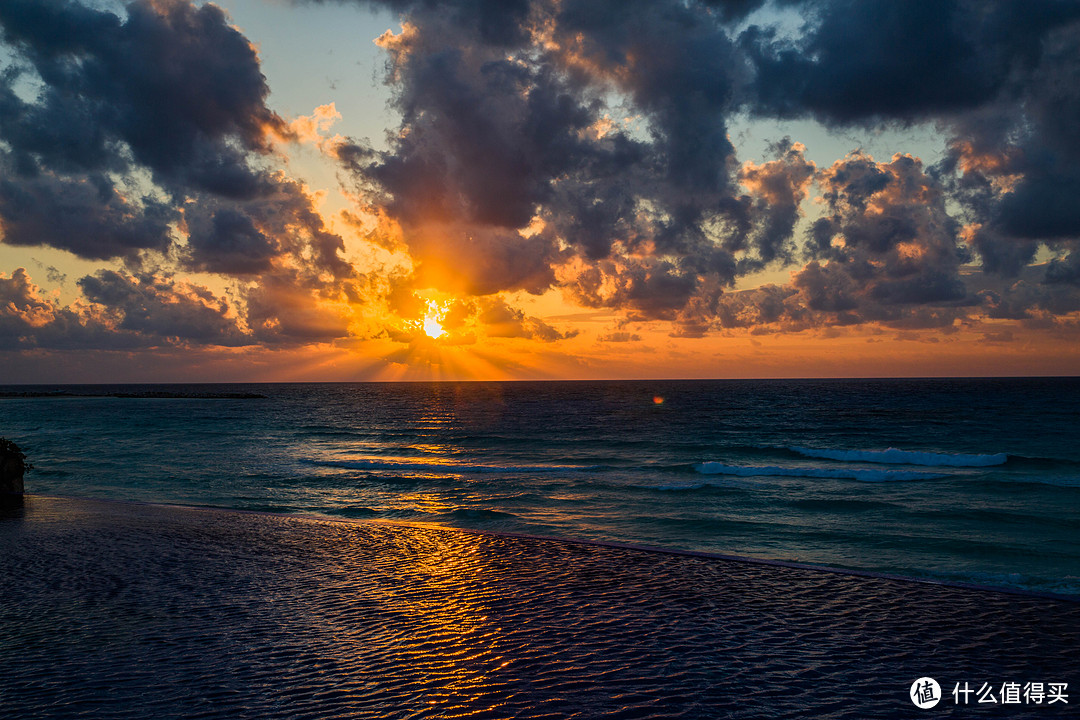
(546, 207)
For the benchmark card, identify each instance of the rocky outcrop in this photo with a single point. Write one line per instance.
(12, 467)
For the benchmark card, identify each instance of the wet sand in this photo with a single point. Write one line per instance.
(127, 610)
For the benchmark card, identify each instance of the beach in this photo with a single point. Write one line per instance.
(115, 609)
(539, 359)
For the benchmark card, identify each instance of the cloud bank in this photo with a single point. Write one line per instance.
(576, 146)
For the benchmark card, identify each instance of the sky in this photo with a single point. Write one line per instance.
(303, 190)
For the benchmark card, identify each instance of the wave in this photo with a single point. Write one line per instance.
(895, 456)
(1061, 481)
(448, 468)
(477, 514)
(717, 468)
(352, 512)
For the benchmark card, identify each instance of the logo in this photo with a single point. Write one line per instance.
(925, 693)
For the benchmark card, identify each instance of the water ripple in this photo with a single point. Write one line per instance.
(118, 610)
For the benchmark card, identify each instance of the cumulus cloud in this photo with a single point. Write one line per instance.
(619, 337)
(124, 312)
(280, 310)
(147, 138)
(85, 214)
(778, 187)
(253, 236)
(586, 150)
(1015, 162)
(995, 76)
(502, 321)
(888, 230)
(580, 146)
(159, 307)
(173, 83)
(590, 138)
(31, 319)
(926, 59)
(172, 92)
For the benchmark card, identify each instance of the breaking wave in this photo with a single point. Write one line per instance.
(894, 456)
(717, 468)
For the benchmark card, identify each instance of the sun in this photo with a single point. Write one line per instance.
(433, 318)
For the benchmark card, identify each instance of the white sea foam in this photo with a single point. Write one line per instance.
(405, 465)
(895, 456)
(717, 468)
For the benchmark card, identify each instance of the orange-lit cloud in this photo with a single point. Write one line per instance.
(559, 194)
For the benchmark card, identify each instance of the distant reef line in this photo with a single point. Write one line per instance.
(160, 394)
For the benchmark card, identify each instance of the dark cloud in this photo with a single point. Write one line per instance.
(513, 161)
(924, 59)
(1000, 76)
(619, 337)
(887, 238)
(173, 84)
(513, 158)
(486, 141)
(228, 241)
(150, 133)
(1065, 269)
(763, 306)
(502, 321)
(777, 189)
(1030, 297)
(1013, 165)
(159, 307)
(87, 215)
(578, 145)
(55, 276)
(1042, 205)
(24, 312)
(282, 311)
(125, 312)
(246, 237)
(481, 260)
(676, 65)
(173, 90)
(647, 289)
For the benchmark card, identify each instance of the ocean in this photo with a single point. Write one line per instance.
(963, 480)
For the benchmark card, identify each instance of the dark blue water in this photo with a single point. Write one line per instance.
(969, 480)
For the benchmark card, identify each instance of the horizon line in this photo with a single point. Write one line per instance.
(554, 380)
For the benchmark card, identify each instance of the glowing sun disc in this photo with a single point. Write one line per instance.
(432, 327)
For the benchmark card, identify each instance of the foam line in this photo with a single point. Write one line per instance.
(717, 468)
(895, 456)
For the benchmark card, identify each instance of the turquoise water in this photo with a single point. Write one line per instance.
(964, 480)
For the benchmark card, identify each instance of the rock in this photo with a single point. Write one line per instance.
(12, 467)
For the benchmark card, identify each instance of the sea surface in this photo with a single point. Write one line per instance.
(966, 480)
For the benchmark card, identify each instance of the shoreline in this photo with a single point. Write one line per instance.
(127, 609)
(614, 545)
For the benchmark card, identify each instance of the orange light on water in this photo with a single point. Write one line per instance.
(657, 400)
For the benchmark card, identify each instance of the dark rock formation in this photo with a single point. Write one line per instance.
(12, 466)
